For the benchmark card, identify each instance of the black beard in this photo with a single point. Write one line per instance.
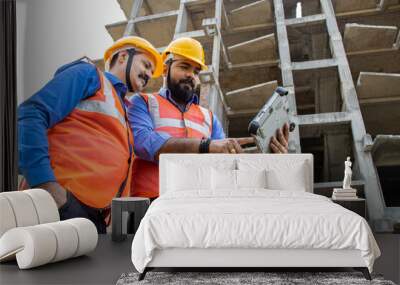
(181, 93)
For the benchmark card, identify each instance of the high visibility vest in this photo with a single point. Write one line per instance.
(91, 149)
(193, 123)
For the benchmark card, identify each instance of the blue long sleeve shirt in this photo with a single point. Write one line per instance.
(55, 101)
(147, 140)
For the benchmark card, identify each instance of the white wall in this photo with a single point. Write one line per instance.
(51, 33)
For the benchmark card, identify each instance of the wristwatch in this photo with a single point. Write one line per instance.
(204, 146)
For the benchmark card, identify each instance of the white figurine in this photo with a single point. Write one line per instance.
(347, 174)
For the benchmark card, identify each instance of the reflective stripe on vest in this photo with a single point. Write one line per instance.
(159, 122)
(106, 107)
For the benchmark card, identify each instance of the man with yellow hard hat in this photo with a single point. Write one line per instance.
(172, 121)
(74, 137)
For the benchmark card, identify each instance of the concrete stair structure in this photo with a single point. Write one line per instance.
(340, 62)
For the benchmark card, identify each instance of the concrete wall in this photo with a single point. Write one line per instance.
(51, 33)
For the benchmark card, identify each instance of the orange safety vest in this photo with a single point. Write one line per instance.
(91, 149)
(193, 123)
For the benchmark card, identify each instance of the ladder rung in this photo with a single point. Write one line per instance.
(324, 118)
(314, 64)
(305, 21)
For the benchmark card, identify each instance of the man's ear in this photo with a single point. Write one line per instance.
(122, 56)
(165, 74)
(165, 70)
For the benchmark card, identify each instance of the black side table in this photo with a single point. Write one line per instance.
(136, 205)
(357, 205)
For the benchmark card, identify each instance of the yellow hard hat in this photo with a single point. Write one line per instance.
(188, 48)
(135, 42)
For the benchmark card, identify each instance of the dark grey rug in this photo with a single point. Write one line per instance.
(273, 278)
